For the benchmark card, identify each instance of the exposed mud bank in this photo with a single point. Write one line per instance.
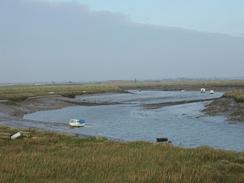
(164, 104)
(40, 103)
(8, 109)
(227, 106)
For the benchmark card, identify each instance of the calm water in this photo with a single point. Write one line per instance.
(184, 125)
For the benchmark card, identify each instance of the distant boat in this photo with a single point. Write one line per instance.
(77, 123)
(203, 90)
(211, 91)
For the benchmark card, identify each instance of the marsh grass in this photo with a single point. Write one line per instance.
(49, 157)
(22, 92)
(237, 95)
(188, 84)
(17, 93)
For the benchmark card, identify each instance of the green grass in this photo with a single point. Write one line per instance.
(237, 95)
(21, 92)
(49, 157)
(182, 84)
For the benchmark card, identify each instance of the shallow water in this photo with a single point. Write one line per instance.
(185, 125)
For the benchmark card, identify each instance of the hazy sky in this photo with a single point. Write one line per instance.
(49, 41)
(222, 16)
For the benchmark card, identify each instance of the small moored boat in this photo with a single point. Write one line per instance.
(211, 91)
(77, 123)
(203, 90)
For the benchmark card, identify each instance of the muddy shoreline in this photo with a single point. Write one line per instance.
(13, 112)
(165, 104)
(41, 103)
(10, 110)
(226, 106)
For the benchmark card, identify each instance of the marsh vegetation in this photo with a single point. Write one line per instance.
(49, 157)
(52, 157)
(21, 92)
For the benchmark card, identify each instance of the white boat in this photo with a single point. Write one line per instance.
(211, 91)
(77, 123)
(203, 90)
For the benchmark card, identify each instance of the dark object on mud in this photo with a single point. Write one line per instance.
(162, 139)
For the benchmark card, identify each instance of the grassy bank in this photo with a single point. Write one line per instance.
(237, 95)
(231, 104)
(220, 85)
(21, 92)
(49, 157)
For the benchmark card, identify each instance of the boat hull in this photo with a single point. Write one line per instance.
(76, 123)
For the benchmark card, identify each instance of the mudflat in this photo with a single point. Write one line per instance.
(15, 101)
(41, 103)
(227, 106)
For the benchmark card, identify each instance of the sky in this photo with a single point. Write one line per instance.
(43, 40)
(218, 16)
